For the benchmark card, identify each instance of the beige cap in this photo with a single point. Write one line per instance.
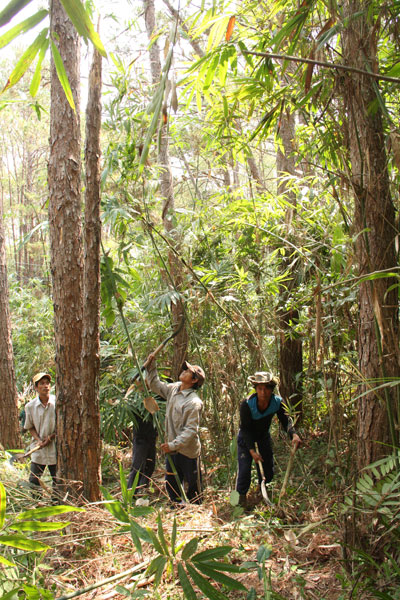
(40, 376)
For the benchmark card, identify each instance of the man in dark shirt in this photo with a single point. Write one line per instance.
(256, 413)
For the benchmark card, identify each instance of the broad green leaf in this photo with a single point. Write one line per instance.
(48, 511)
(204, 585)
(210, 72)
(157, 567)
(141, 531)
(26, 60)
(185, 583)
(161, 536)
(37, 76)
(62, 75)
(38, 526)
(136, 539)
(123, 482)
(223, 566)
(217, 32)
(394, 71)
(3, 502)
(190, 548)
(173, 537)
(11, 10)
(7, 563)
(218, 552)
(155, 541)
(13, 595)
(215, 575)
(22, 543)
(157, 110)
(22, 27)
(117, 511)
(80, 18)
(234, 498)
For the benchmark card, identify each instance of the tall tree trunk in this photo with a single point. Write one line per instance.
(91, 308)
(167, 194)
(9, 430)
(374, 218)
(64, 174)
(291, 350)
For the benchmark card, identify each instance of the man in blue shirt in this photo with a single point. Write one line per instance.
(256, 413)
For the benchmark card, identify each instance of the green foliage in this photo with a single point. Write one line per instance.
(193, 568)
(81, 20)
(32, 324)
(18, 547)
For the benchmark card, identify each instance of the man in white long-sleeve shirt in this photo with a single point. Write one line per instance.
(182, 422)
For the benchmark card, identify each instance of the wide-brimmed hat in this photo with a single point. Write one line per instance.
(40, 376)
(198, 371)
(263, 377)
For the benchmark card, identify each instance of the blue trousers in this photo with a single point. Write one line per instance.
(188, 470)
(245, 462)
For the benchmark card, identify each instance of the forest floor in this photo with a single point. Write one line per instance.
(304, 557)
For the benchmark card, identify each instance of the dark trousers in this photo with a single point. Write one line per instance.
(245, 461)
(37, 471)
(143, 460)
(188, 471)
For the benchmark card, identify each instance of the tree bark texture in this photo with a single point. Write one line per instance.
(9, 428)
(91, 290)
(167, 194)
(291, 349)
(64, 175)
(374, 222)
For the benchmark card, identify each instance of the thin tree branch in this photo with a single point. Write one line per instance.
(328, 65)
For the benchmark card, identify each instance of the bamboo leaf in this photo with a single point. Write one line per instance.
(11, 10)
(37, 76)
(135, 538)
(117, 511)
(204, 585)
(217, 32)
(187, 588)
(156, 568)
(190, 548)
(62, 75)
(22, 27)
(7, 563)
(155, 541)
(222, 566)
(219, 552)
(26, 60)
(48, 511)
(22, 543)
(215, 575)
(161, 536)
(3, 502)
(173, 537)
(80, 18)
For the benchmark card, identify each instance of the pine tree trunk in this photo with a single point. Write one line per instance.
(64, 175)
(91, 308)
(9, 430)
(374, 219)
